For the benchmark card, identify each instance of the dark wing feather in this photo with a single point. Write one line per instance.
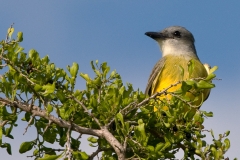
(155, 72)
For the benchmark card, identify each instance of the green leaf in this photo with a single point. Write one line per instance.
(10, 32)
(227, 133)
(190, 82)
(120, 117)
(104, 66)
(27, 117)
(35, 152)
(208, 114)
(205, 85)
(20, 49)
(49, 108)
(211, 131)
(61, 96)
(198, 151)
(8, 132)
(74, 69)
(92, 139)
(20, 36)
(112, 74)
(213, 69)
(218, 143)
(191, 66)
(210, 77)
(9, 150)
(140, 132)
(167, 124)
(50, 157)
(50, 135)
(37, 87)
(227, 143)
(25, 146)
(93, 67)
(181, 71)
(198, 117)
(185, 87)
(45, 60)
(33, 54)
(190, 114)
(85, 76)
(150, 148)
(8, 147)
(48, 89)
(159, 146)
(80, 155)
(167, 144)
(84, 155)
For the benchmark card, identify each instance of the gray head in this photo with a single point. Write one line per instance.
(175, 40)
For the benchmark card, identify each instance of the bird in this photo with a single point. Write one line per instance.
(178, 52)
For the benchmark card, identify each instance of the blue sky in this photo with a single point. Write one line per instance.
(113, 31)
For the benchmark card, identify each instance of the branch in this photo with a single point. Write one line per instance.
(157, 94)
(68, 145)
(3, 123)
(117, 146)
(91, 157)
(34, 110)
(29, 123)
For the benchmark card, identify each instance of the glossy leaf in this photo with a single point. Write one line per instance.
(205, 85)
(74, 69)
(92, 139)
(25, 146)
(50, 157)
(20, 36)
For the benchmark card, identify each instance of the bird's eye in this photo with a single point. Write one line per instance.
(177, 34)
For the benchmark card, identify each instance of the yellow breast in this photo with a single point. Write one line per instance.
(176, 69)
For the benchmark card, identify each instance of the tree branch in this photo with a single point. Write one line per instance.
(91, 157)
(117, 146)
(42, 113)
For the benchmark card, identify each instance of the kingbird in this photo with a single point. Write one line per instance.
(178, 51)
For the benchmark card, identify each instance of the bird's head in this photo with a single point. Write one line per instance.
(174, 40)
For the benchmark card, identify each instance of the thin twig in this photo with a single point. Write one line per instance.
(29, 124)
(3, 65)
(91, 157)
(80, 136)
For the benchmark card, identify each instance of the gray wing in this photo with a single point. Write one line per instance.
(155, 73)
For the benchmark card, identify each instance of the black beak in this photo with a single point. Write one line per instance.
(155, 35)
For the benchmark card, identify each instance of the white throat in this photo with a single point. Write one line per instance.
(170, 47)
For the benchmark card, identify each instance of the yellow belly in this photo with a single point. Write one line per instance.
(176, 69)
